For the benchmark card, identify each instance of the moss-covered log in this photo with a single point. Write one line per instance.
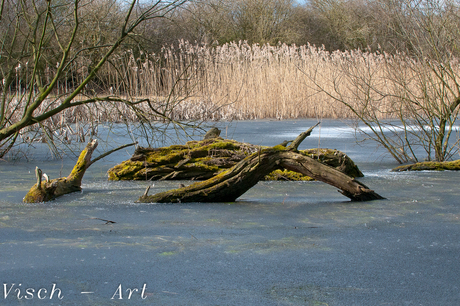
(430, 165)
(201, 160)
(228, 185)
(196, 160)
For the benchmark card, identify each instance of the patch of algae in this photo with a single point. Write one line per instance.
(310, 294)
(278, 245)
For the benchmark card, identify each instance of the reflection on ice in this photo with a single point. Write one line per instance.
(323, 132)
(351, 131)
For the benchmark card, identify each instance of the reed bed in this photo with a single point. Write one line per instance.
(237, 81)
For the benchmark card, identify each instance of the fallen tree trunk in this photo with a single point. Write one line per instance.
(429, 165)
(231, 184)
(47, 190)
(201, 160)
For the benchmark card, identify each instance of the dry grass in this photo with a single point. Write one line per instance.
(241, 81)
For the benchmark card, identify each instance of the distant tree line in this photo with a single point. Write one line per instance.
(335, 24)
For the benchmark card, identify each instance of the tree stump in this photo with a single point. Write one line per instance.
(47, 190)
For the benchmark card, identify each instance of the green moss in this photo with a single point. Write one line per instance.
(203, 143)
(176, 153)
(166, 157)
(279, 148)
(34, 195)
(453, 165)
(200, 165)
(430, 165)
(192, 144)
(80, 166)
(224, 145)
(176, 147)
(37, 195)
(125, 171)
(280, 175)
(216, 155)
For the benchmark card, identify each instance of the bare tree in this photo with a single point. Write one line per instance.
(408, 100)
(52, 52)
(256, 21)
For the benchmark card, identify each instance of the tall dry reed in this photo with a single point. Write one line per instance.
(241, 81)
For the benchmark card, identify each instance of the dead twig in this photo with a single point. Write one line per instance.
(106, 221)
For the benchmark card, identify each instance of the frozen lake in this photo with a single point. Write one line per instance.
(281, 243)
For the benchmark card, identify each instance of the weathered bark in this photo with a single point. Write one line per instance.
(231, 184)
(430, 165)
(348, 186)
(47, 190)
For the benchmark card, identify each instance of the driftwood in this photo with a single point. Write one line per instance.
(204, 159)
(227, 186)
(430, 165)
(46, 190)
